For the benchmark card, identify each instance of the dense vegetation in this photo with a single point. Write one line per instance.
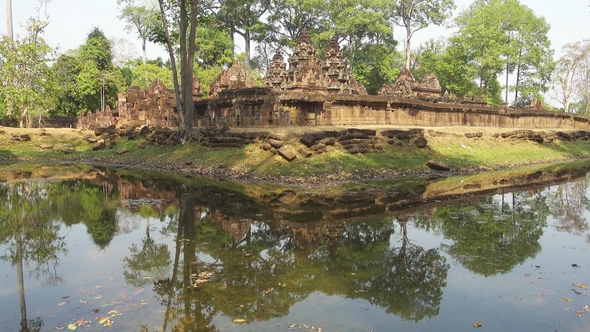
(495, 40)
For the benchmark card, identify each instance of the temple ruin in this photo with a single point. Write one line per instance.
(311, 91)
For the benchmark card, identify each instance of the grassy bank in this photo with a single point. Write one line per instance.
(448, 145)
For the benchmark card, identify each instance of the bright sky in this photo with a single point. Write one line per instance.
(72, 20)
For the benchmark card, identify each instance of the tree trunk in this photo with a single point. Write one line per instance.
(184, 90)
(9, 25)
(21, 283)
(517, 79)
(506, 85)
(247, 42)
(408, 40)
(143, 50)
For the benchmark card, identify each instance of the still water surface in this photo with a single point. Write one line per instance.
(104, 250)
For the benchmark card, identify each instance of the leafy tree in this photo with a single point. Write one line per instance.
(214, 47)
(98, 81)
(493, 237)
(498, 36)
(66, 97)
(243, 17)
(288, 18)
(528, 55)
(571, 79)
(375, 65)
(185, 12)
(26, 80)
(415, 15)
(144, 75)
(140, 18)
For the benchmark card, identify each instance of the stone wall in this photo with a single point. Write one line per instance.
(310, 91)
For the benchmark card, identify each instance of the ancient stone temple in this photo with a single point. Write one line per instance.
(234, 78)
(337, 74)
(311, 91)
(406, 86)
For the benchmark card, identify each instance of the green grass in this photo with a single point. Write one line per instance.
(455, 150)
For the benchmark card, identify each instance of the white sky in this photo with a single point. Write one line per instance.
(72, 20)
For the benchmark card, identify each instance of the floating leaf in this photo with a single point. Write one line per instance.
(239, 320)
(93, 311)
(518, 297)
(72, 326)
(83, 301)
(59, 327)
(568, 309)
(62, 303)
(565, 299)
(582, 286)
(478, 324)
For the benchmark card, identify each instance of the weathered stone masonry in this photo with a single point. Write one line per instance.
(321, 92)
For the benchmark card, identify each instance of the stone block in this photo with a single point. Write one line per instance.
(275, 143)
(307, 140)
(437, 165)
(287, 152)
(305, 152)
(420, 142)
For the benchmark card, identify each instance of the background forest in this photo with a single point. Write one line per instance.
(499, 50)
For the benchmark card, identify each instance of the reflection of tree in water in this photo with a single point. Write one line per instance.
(30, 230)
(406, 280)
(263, 274)
(494, 236)
(568, 207)
(151, 260)
(78, 201)
(186, 309)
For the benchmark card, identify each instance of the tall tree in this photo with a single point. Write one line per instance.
(98, 81)
(186, 13)
(527, 54)
(415, 15)
(140, 18)
(571, 79)
(9, 25)
(288, 18)
(25, 77)
(498, 37)
(243, 18)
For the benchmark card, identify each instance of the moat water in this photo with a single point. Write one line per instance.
(101, 249)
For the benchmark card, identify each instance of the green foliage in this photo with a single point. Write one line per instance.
(502, 36)
(376, 65)
(214, 47)
(144, 75)
(26, 80)
(206, 76)
(491, 238)
(97, 50)
(415, 15)
(86, 77)
(66, 69)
